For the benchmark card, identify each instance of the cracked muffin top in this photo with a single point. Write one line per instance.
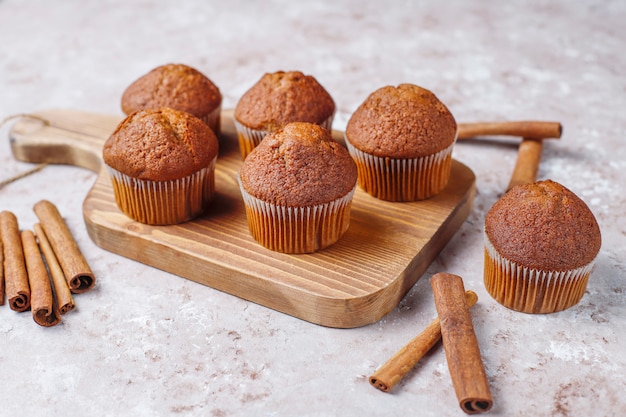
(160, 145)
(282, 97)
(177, 86)
(401, 122)
(297, 166)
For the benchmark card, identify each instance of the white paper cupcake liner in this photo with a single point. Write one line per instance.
(164, 202)
(411, 179)
(250, 138)
(213, 120)
(532, 290)
(297, 229)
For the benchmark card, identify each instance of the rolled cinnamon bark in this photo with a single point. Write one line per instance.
(1, 271)
(61, 290)
(460, 344)
(15, 276)
(525, 129)
(388, 375)
(527, 163)
(77, 272)
(42, 304)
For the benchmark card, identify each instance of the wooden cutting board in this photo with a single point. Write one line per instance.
(355, 282)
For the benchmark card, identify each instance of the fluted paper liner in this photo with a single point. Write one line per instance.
(411, 179)
(531, 290)
(297, 229)
(250, 138)
(213, 120)
(164, 202)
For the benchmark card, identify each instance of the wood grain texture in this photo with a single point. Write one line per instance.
(355, 282)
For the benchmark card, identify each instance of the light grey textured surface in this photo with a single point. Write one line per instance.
(148, 343)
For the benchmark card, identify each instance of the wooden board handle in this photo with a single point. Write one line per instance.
(67, 137)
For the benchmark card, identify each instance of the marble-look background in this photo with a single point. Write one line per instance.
(148, 343)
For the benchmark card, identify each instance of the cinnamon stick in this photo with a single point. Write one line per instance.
(42, 305)
(1, 271)
(388, 375)
(61, 290)
(460, 344)
(15, 276)
(527, 163)
(526, 129)
(77, 272)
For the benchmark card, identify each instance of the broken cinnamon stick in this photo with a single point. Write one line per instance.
(42, 304)
(77, 272)
(460, 344)
(525, 129)
(388, 375)
(527, 163)
(15, 276)
(61, 290)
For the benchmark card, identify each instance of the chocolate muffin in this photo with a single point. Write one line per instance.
(541, 241)
(162, 164)
(297, 186)
(179, 87)
(277, 99)
(401, 139)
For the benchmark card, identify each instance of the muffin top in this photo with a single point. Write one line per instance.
(160, 145)
(177, 86)
(299, 165)
(401, 122)
(282, 97)
(543, 226)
